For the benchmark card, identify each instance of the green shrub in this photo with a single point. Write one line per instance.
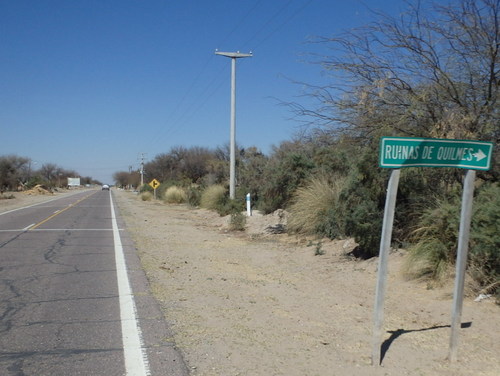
(175, 195)
(282, 178)
(312, 205)
(237, 221)
(436, 239)
(485, 237)
(213, 197)
(146, 196)
(235, 206)
(193, 195)
(362, 204)
(332, 225)
(363, 222)
(145, 188)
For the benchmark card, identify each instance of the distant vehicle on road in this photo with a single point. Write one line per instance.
(105, 187)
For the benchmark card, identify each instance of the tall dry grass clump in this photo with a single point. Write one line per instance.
(313, 204)
(213, 197)
(435, 242)
(434, 251)
(146, 196)
(175, 195)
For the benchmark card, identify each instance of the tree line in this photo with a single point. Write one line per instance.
(20, 173)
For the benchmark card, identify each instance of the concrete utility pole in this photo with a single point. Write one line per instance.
(232, 167)
(142, 169)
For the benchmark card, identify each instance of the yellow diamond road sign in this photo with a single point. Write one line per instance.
(154, 183)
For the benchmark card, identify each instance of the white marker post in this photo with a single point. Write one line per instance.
(249, 208)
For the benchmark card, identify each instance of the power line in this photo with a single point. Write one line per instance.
(188, 104)
(276, 14)
(275, 30)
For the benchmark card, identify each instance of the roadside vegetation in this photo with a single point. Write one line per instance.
(433, 72)
(175, 195)
(22, 173)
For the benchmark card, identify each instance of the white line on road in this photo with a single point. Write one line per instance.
(136, 361)
(27, 227)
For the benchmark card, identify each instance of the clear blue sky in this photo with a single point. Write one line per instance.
(91, 84)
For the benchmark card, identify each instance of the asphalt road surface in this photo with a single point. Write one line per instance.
(73, 297)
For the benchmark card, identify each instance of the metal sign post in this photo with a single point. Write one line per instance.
(385, 244)
(462, 250)
(154, 184)
(399, 152)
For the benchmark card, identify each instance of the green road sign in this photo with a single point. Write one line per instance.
(398, 152)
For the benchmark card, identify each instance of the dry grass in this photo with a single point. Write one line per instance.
(175, 195)
(311, 204)
(213, 197)
(427, 260)
(237, 222)
(146, 196)
(434, 250)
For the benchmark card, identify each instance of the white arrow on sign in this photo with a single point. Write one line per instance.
(479, 155)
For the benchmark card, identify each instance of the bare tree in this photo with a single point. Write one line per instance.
(49, 172)
(127, 179)
(11, 171)
(432, 72)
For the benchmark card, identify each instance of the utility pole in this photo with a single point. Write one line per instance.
(142, 168)
(232, 166)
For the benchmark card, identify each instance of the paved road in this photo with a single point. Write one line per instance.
(73, 298)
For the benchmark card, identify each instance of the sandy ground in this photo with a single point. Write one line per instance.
(31, 197)
(257, 304)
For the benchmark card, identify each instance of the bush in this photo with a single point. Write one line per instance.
(193, 195)
(146, 188)
(362, 204)
(213, 197)
(312, 206)
(146, 196)
(485, 237)
(436, 239)
(237, 221)
(435, 247)
(231, 207)
(175, 195)
(281, 180)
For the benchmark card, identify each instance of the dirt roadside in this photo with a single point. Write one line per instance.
(31, 197)
(260, 305)
(248, 304)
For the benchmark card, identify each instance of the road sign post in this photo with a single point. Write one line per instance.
(462, 251)
(385, 244)
(154, 184)
(400, 152)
